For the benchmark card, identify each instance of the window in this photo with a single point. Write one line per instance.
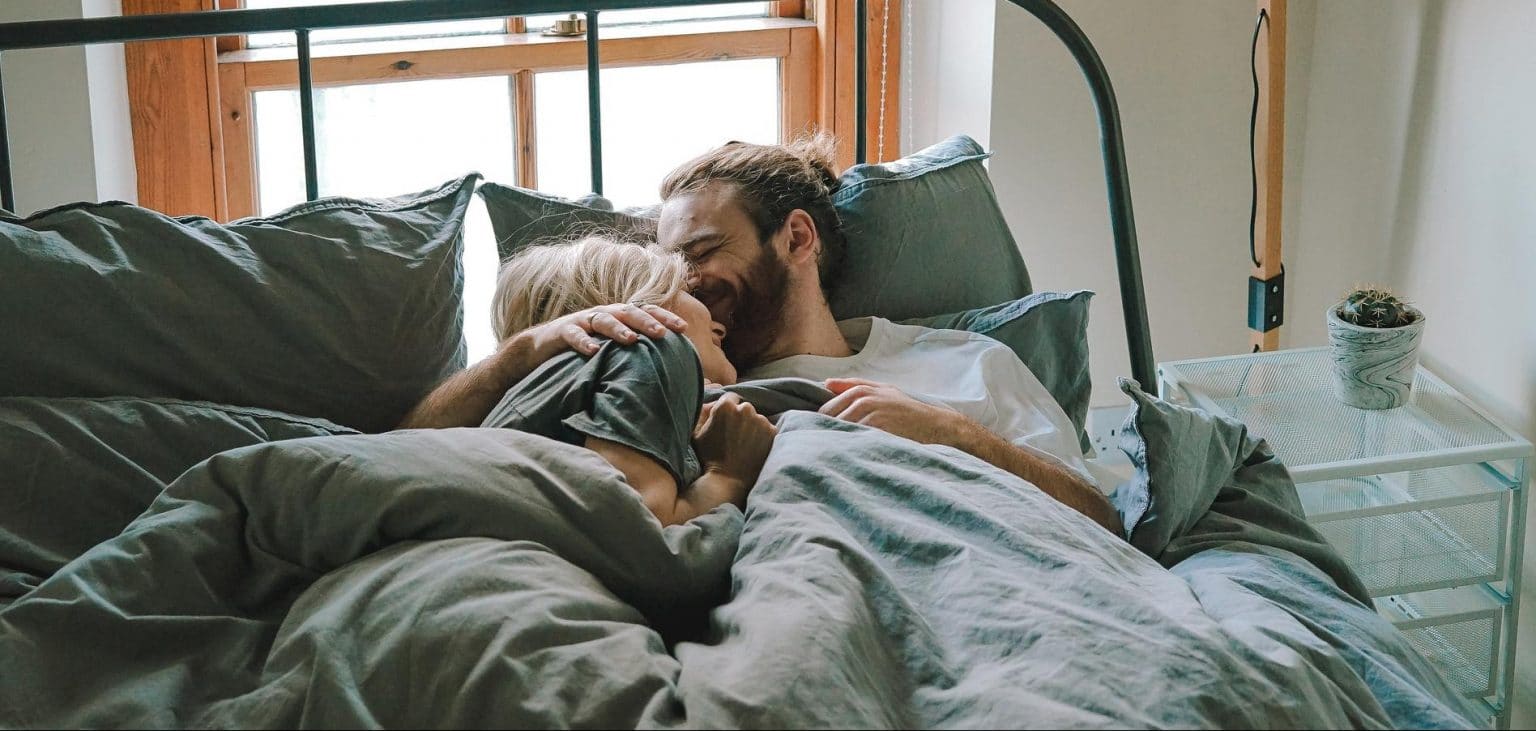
(501, 97)
(654, 117)
(404, 107)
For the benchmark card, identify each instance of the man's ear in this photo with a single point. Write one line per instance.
(804, 242)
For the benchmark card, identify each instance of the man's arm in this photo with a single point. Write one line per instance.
(465, 398)
(1066, 485)
(889, 409)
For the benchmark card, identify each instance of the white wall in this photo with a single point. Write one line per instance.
(1180, 72)
(1463, 241)
(947, 71)
(65, 144)
(111, 131)
(1342, 198)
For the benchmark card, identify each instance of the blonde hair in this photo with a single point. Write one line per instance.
(541, 283)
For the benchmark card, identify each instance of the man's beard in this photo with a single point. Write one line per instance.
(758, 318)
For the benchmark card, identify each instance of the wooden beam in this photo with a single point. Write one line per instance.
(827, 74)
(835, 24)
(500, 55)
(239, 142)
(797, 77)
(789, 9)
(174, 109)
(1269, 154)
(524, 118)
(230, 43)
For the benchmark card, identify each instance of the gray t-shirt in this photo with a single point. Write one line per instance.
(645, 396)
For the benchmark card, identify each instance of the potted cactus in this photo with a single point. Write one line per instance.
(1374, 337)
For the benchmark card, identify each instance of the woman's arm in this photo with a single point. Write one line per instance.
(659, 490)
(466, 398)
(732, 442)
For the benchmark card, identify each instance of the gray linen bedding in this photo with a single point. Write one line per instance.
(488, 578)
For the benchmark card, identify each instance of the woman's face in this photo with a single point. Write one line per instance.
(706, 335)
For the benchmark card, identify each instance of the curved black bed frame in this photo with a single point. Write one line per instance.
(301, 21)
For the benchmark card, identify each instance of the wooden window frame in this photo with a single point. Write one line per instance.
(199, 91)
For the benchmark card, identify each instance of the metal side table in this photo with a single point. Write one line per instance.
(1426, 502)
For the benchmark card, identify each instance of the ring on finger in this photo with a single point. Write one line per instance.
(592, 319)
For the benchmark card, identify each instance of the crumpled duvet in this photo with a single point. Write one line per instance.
(487, 578)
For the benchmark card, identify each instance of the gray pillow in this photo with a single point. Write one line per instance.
(925, 235)
(522, 217)
(344, 309)
(79, 470)
(1049, 332)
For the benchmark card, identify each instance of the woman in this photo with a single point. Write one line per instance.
(640, 405)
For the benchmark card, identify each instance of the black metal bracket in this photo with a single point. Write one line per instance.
(1266, 302)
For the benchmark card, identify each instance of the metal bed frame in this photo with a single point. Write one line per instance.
(301, 21)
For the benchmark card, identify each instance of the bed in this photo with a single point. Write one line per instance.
(207, 520)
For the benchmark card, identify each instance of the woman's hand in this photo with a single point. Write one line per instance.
(623, 323)
(733, 440)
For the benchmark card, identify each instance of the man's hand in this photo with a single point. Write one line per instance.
(890, 409)
(465, 398)
(622, 323)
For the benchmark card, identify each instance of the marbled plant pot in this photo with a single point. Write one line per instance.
(1373, 367)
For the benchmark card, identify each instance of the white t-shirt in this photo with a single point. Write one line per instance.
(971, 373)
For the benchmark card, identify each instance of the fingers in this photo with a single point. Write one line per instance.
(839, 385)
(719, 408)
(577, 338)
(845, 397)
(653, 320)
(606, 323)
(729, 409)
(706, 411)
(859, 411)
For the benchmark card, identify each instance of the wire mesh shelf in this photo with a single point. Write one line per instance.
(1349, 497)
(1287, 398)
(1457, 630)
(1423, 549)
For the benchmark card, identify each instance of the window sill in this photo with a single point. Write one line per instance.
(394, 47)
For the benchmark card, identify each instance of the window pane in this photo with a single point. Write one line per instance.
(654, 118)
(400, 30)
(660, 15)
(387, 139)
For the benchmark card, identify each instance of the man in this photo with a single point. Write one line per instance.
(758, 224)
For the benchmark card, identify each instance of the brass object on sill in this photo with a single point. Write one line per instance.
(570, 27)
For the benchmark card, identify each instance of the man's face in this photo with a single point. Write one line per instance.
(740, 278)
